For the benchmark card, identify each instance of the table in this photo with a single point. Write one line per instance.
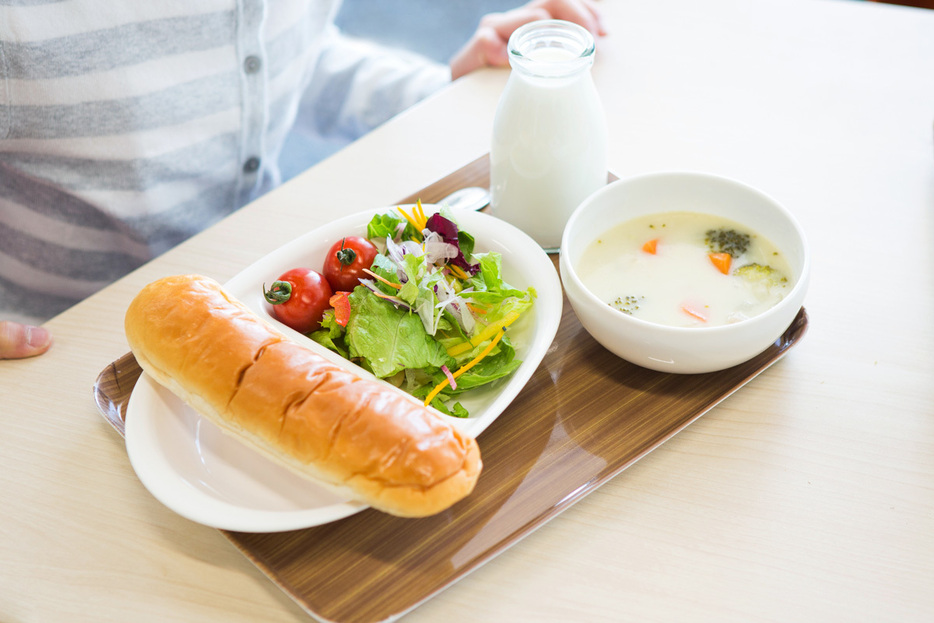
(809, 494)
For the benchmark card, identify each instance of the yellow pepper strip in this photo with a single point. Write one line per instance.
(408, 218)
(458, 272)
(420, 212)
(466, 366)
(484, 335)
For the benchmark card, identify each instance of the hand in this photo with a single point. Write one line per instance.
(487, 47)
(21, 340)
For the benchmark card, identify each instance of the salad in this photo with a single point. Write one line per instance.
(427, 313)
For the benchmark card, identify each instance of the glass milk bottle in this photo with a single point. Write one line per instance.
(549, 134)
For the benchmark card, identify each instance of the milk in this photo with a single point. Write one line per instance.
(548, 151)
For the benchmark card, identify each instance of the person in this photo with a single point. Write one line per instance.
(19, 340)
(127, 128)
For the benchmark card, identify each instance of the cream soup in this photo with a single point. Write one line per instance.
(685, 269)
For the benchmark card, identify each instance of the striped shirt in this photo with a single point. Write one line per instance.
(126, 127)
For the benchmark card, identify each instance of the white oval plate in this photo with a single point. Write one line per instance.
(211, 478)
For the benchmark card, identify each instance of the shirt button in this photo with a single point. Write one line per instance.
(251, 64)
(251, 165)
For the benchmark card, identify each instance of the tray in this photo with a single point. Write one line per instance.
(584, 417)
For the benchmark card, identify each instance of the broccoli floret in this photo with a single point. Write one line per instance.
(727, 241)
(627, 304)
(766, 275)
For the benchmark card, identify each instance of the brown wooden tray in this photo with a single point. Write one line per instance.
(584, 416)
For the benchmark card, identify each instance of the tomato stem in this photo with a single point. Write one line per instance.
(345, 256)
(280, 292)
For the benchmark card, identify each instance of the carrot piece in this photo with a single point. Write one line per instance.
(383, 279)
(341, 305)
(691, 311)
(650, 246)
(722, 261)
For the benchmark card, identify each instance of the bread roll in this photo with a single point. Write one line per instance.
(357, 435)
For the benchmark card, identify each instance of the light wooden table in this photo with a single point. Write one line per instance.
(808, 495)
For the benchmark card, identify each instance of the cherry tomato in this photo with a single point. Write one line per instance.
(299, 299)
(345, 262)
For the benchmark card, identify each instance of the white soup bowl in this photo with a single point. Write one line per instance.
(682, 349)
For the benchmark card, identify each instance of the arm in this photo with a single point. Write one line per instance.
(487, 47)
(357, 85)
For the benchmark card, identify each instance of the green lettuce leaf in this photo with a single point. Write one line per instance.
(489, 287)
(383, 225)
(388, 339)
(331, 334)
